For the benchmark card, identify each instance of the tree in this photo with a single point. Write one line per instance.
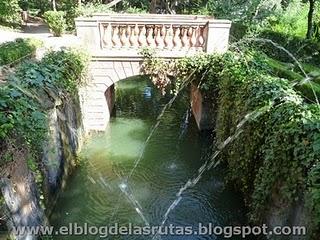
(175, 6)
(113, 3)
(10, 11)
(153, 6)
(312, 4)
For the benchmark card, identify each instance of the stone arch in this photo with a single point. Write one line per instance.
(97, 96)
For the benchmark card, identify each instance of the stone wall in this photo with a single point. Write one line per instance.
(29, 200)
(96, 95)
(21, 195)
(65, 139)
(202, 109)
(278, 213)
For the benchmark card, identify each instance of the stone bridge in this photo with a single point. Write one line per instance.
(115, 40)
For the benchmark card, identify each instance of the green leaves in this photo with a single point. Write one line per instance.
(10, 11)
(56, 21)
(66, 68)
(316, 143)
(10, 52)
(277, 155)
(24, 98)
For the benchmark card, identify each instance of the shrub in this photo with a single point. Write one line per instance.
(71, 66)
(56, 22)
(135, 10)
(291, 21)
(10, 12)
(11, 52)
(39, 6)
(91, 8)
(73, 11)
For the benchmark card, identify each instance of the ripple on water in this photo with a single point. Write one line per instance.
(172, 156)
(123, 141)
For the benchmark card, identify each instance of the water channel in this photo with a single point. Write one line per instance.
(173, 155)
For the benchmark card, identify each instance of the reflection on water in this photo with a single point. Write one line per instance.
(173, 155)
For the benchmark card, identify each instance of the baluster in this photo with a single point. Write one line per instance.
(136, 31)
(124, 39)
(128, 34)
(205, 36)
(185, 39)
(133, 39)
(190, 31)
(177, 39)
(193, 38)
(189, 35)
(115, 37)
(107, 42)
(150, 39)
(159, 39)
(163, 31)
(169, 38)
(142, 37)
(200, 38)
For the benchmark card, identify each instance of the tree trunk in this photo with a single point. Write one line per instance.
(113, 3)
(310, 19)
(153, 6)
(54, 7)
(79, 3)
(170, 7)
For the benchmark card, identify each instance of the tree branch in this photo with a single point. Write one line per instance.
(113, 3)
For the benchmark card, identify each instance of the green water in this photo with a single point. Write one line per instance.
(174, 154)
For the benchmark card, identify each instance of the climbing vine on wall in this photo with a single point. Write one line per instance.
(30, 92)
(275, 161)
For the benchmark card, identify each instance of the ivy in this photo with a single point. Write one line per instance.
(30, 92)
(158, 69)
(276, 158)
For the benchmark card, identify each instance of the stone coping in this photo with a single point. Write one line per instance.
(151, 19)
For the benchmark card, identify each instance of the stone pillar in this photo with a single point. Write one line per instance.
(89, 32)
(218, 36)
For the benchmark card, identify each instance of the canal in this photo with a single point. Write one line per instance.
(173, 155)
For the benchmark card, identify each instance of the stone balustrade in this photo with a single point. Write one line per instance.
(161, 36)
(172, 35)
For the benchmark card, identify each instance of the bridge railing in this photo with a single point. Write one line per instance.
(172, 35)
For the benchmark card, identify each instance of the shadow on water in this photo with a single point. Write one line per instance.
(173, 155)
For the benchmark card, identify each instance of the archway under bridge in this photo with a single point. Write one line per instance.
(115, 40)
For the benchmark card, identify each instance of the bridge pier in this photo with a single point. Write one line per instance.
(97, 98)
